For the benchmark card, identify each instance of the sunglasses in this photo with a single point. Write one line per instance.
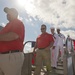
(43, 28)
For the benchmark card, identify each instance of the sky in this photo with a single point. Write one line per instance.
(34, 13)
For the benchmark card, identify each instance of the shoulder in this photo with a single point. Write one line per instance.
(63, 35)
(50, 35)
(38, 36)
(55, 34)
(18, 21)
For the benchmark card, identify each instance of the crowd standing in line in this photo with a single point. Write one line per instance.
(47, 45)
(56, 49)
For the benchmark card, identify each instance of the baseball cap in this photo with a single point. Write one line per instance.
(11, 11)
(58, 28)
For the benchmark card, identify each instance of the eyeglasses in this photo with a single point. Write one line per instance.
(43, 28)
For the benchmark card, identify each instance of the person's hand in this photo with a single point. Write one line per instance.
(53, 47)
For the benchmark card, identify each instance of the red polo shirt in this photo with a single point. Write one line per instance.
(17, 27)
(44, 40)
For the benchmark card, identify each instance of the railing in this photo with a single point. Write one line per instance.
(68, 62)
(27, 69)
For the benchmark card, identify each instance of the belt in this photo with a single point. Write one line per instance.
(41, 48)
(12, 51)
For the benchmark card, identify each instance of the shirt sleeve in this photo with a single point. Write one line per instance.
(64, 40)
(63, 36)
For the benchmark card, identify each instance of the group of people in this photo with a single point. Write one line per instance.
(48, 47)
(57, 48)
(11, 46)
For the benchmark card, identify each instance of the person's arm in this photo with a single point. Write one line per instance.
(51, 42)
(55, 41)
(8, 36)
(63, 38)
(51, 45)
(35, 47)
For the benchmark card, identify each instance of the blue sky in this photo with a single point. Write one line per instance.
(33, 13)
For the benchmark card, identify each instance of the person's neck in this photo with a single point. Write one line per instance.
(12, 19)
(43, 32)
(53, 33)
(59, 33)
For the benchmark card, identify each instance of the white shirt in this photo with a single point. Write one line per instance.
(61, 39)
(69, 44)
(55, 36)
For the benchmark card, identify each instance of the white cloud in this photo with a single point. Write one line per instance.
(30, 19)
(59, 13)
(54, 11)
(3, 24)
(69, 32)
(28, 48)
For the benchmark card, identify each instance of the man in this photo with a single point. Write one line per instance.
(54, 49)
(43, 44)
(61, 39)
(11, 44)
(69, 44)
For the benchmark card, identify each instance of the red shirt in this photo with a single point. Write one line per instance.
(44, 40)
(17, 27)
